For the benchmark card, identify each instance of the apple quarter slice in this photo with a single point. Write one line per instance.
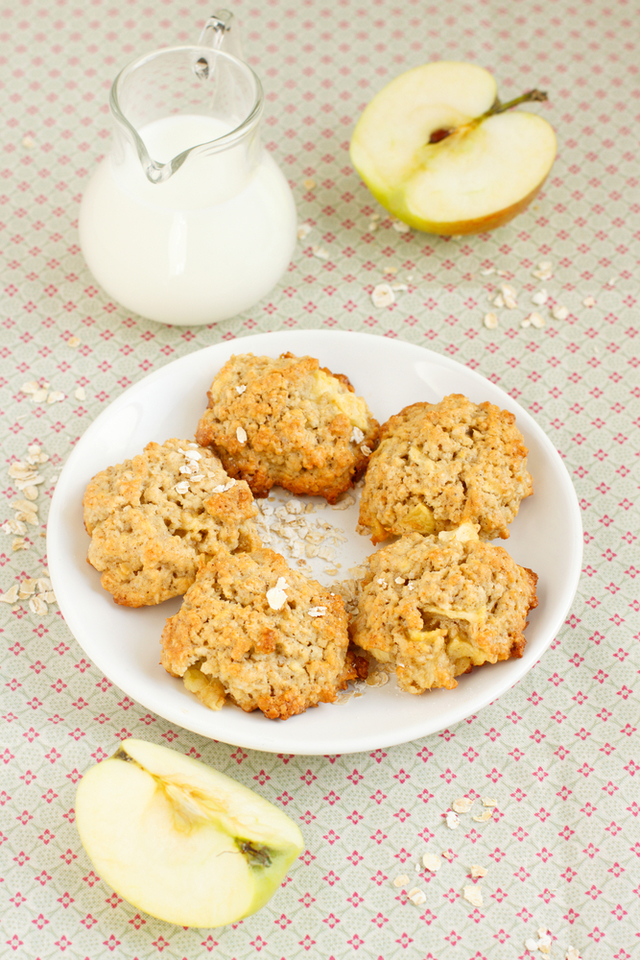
(180, 840)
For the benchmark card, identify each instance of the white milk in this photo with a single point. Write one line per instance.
(203, 246)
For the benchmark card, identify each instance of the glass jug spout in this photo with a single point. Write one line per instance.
(207, 82)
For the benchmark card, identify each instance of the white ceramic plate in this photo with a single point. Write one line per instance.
(125, 644)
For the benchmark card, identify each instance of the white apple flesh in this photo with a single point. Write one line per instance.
(180, 840)
(481, 169)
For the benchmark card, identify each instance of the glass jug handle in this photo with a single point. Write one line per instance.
(220, 33)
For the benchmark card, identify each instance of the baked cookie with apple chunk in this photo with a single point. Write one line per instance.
(436, 606)
(152, 517)
(288, 422)
(256, 632)
(442, 464)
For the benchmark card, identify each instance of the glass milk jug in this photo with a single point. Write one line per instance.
(188, 220)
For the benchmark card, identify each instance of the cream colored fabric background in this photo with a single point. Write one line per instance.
(559, 751)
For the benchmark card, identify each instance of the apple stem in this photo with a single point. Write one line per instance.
(531, 96)
(537, 96)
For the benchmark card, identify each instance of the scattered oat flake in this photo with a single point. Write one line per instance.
(531, 944)
(498, 301)
(320, 252)
(74, 342)
(572, 954)
(382, 295)
(392, 270)
(80, 393)
(462, 805)
(241, 434)
(357, 436)
(487, 271)
(612, 282)
(27, 588)
(477, 872)
(308, 184)
(182, 487)
(31, 386)
(544, 943)
(38, 606)
(56, 396)
(483, 817)
(431, 862)
(19, 543)
(453, 820)
(223, 487)
(536, 320)
(526, 322)
(343, 504)
(473, 894)
(544, 270)
(11, 596)
(317, 611)
(13, 526)
(509, 296)
(377, 679)
(400, 227)
(276, 596)
(588, 302)
(559, 312)
(490, 321)
(540, 297)
(28, 142)
(18, 471)
(401, 881)
(21, 505)
(304, 230)
(417, 896)
(30, 517)
(488, 802)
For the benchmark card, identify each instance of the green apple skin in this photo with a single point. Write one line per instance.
(180, 840)
(479, 177)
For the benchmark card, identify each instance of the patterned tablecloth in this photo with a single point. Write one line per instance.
(559, 752)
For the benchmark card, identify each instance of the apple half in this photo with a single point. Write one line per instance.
(180, 840)
(439, 152)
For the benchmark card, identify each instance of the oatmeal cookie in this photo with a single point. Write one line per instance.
(436, 606)
(152, 517)
(263, 635)
(441, 464)
(288, 423)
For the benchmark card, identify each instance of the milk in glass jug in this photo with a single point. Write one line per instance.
(188, 220)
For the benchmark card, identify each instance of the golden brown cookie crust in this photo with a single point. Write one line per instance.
(152, 517)
(435, 608)
(442, 464)
(288, 422)
(274, 640)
